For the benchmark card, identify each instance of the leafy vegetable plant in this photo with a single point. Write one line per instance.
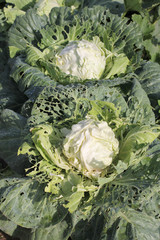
(75, 185)
(79, 119)
(49, 45)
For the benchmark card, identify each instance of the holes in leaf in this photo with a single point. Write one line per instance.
(18, 29)
(31, 149)
(66, 28)
(64, 34)
(3, 200)
(117, 6)
(124, 37)
(84, 32)
(22, 193)
(157, 216)
(54, 37)
(50, 99)
(80, 107)
(61, 112)
(21, 74)
(49, 113)
(55, 100)
(38, 104)
(108, 19)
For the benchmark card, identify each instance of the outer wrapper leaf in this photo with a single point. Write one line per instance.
(149, 77)
(39, 210)
(12, 134)
(12, 229)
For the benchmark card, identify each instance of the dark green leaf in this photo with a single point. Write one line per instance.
(12, 133)
(12, 229)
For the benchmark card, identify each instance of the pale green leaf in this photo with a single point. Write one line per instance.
(136, 139)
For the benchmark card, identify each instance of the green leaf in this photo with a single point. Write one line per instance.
(22, 4)
(152, 49)
(139, 224)
(149, 77)
(40, 210)
(136, 139)
(150, 4)
(33, 55)
(133, 5)
(45, 138)
(145, 25)
(29, 78)
(24, 30)
(12, 229)
(92, 228)
(71, 102)
(73, 201)
(140, 107)
(12, 133)
(120, 64)
(115, 7)
(122, 37)
(11, 13)
(104, 111)
(60, 231)
(10, 96)
(3, 23)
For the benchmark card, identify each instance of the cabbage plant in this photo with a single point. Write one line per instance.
(67, 186)
(72, 47)
(79, 147)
